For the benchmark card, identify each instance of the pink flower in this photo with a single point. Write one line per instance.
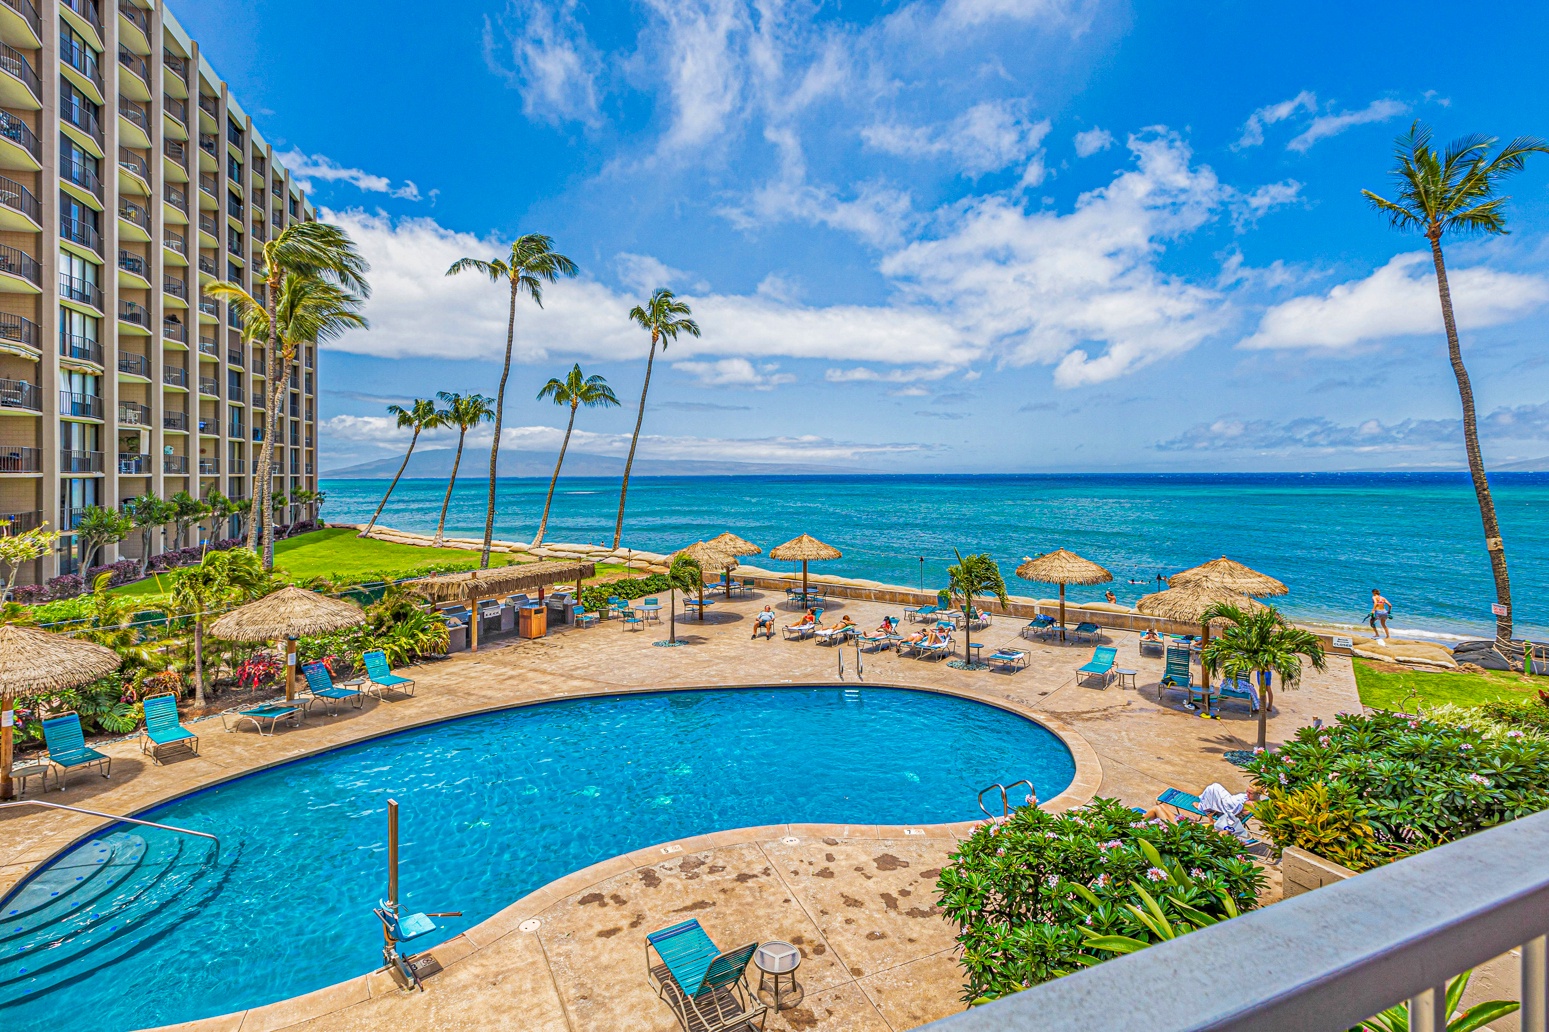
(1258, 750)
(1325, 741)
(1479, 779)
(1195, 872)
(1283, 779)
(1110, 844)
(1101, 882)
(1465, 747)
(1513, 734)
(1156, 874)
(1414, 724)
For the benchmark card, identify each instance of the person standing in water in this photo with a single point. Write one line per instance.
(1381, 610)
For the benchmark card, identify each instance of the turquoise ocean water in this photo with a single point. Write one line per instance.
(1331, 537)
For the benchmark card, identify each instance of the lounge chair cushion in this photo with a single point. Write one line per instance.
(687, 951)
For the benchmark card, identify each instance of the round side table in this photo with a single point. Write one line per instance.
(776, 960)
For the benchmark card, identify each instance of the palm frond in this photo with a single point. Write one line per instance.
(495, 270)
(321, 250)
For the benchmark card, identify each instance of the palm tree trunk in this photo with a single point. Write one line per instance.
(1492, 530)
(564, 445)
(494, 446)
(618, 527)
(672, 614)
(266, 450)
(445, 502)
(199, 662)
(1264, 697)
(406, 455)
(261, 530)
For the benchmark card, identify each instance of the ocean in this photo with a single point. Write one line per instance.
(1330, 537)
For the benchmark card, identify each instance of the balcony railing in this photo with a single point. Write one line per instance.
(209, 387)
(134, 365)
(20, 459)
(82, 59)
(234, 206)
(18, 198)
(135, 63)
(207, 265)
(177, 108)
(174, 376)
(210, 106)
(136, 16)
(233, 392)
(20, 522)
(19, 329)
(207, 346)
(174, 62)
(86, 9)
(71, 461)
(208, 306)
(14, 62)
(207, 141)
(75, 289)
(19, 394)
(174, 420)
(132, 413)
(173, 242)
(174, 463)
(28, 10)
(175, 287)
(81, 406)
(233, 134)
(132, 162)
(209, 467)
(21, 134)
(258, 365)
(234, 356)
(234, 243)
(70, 517)
(20, 263)
(79, 231)
(135, 112)
(130, 312)
(174, 330)
(175, 149)
(207, 182)
(258, 433)
(131, 262)
(132, 465)
(207, 223)
(176, 196)
(83, 118)
(238, 466)
(134, 213)
(80, 348)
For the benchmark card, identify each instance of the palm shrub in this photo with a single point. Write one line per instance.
(1258, 642)
(147, 512)
(974, 577)
(99, 527)
(685, 575)
(1396, 1018)
(186, 511)
(221, 580)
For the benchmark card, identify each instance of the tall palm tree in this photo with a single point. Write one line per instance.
(307, 309)
(419, 416)
(974, 577)
(532, 263)
(1262, 644)
(465, 413)
(574, 390)
(1456, 192)
(664, 316)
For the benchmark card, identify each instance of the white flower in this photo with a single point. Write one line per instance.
(1156, 874)
(1465, 747)
(1479, 779)
(1513, 734)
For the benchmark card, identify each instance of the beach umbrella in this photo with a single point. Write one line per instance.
(1229, 574)
(733, 545)
(709, 557)
(288, 614)
(1188, 605)
(804, 549)
(33, 661)
(1062, 567)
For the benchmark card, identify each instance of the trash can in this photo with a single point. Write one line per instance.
(532, 621)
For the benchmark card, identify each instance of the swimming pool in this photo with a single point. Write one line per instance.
(140, 927)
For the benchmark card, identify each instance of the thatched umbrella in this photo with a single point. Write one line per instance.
(289, 613)
(709, 557)
(1063, 567)
(1229, 574)
(804, 549)
(1188, 605)
(733, 545)
(32, 661)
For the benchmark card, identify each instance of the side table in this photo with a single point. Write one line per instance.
(775, 960)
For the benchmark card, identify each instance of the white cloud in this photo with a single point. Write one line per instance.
(1328, 125)
(1091, 141)
(865, 374)
(986, 138)
(1253, 129)
(701, 46)
(1397, 300)
(309, 168)
(553, 64)
(644, 274)
(736, 372)
(1247, 207)
(1072, 14)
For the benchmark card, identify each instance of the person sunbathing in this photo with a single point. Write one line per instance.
(765, 621)
(885, 627)
(810, 618)
(1151, 636)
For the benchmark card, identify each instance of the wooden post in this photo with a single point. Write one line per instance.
(7, 718)
(290, 669)
(473, 627)
(1204, 671)
(1062, 610)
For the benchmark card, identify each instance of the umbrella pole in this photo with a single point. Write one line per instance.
(1204, 671)
(290, 669)
(7, 718)
(804, 582)
(1062, 610)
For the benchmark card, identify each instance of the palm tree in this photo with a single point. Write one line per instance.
(465, 414)
(308, 309)
(421, 415)
(574, 390)
(315, 503)
(686, 575)
(1261, 643)
(665, 317)
(974, 577)
(533, 262)
(147, 512)
(220, 580)
(241, 508)
(1456, 192)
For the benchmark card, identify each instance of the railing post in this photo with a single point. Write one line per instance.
(1428, 1011)
(1535, 985)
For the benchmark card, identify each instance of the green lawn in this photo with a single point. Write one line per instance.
(1382, 689)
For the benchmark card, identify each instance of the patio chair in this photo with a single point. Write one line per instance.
(707, 989)
(1039, 625)
(1189, 808)
(163, 728)
(614, 604)
(585, 618)
(1008, 659)
(924, 614)
(633, 618)
(1176, 675)
(885, 640)
(836, 634)
(978, 619)
(1240, 688)
(1101, 665)
(381, 675)
(67, 748)
(941, 648)
(1086, 630)
(321, 688)
(270, 713)
(1157, 645)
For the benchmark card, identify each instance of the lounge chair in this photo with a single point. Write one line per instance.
(381, 675)
(925, 648)
(886, 639)
(799, 631)
(1189, 808)
(924, 614)
(1087, 631)
(163, 728)
(978, 619)
(1101, 665)
(67, 748)
(1240, 688)
(1041, 625)
(1177, 675)
(1158, 645)
(707, 989)
(270, 714)
(322, 689)
(1009, 659)
(836, 634)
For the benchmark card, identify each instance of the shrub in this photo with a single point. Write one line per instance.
(1530, 713)
(259, 670)
(29, 594)
(595, 598)
(124, 571)
(66, 585)
(1416, 782)
(1011, 888)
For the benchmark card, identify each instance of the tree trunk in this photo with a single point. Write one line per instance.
(618, 527)
(494, 446)
(277, 384)
(968, 634)
(672, 613)
(199, 662)
(1492, 530)
(447, 501)
(1264, 696)
(564, 445)
(383, 504)
(261, 532)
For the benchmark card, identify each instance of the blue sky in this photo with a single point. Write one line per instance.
(980, 235)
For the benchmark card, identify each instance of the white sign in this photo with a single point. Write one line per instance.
(1340, 643)
(1497, 609)
(7, 718)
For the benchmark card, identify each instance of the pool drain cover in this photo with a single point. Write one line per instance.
(791, 840)
(530, 925)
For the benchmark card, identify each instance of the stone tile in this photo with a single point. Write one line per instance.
(917, 992)
(843, 1008)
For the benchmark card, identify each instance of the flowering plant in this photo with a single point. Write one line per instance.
(259, 669)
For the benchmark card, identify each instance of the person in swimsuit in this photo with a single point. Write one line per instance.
(1381, 610)
(765, 622)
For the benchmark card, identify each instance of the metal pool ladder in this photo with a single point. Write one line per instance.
(1005, 804)
(115, 817)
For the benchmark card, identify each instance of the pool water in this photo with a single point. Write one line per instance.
(140, 927)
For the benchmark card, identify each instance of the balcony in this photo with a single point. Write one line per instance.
(130, 312)
(233, 392)
(79, 231)
(21, 134)
(19, 263)
(207, 183)
(173, 242)
(178, 109)
(233, 134)
(207, 224)
(210, 388)
(234, 243)
(18, 198)
(209, 467)
(132, 465)
(176, 196)
(174, 463)
(174, 421)
(134, 365)
(306, 359)
(84, 291)
(15, 63)
(234, 207)
(258, 365)
(82, 59)
(83, 176)
(134, 214)
(174, 330)
(132, 413)
(129, 161)
(174, 376)
(131, 262)
(20, 522)
(70, 518)
(175, 149)
(20, 459)
(19, 394)
(207, 346)
(175, 63)
(210, 106)
(79, 462)
(80, 406)
(136, 16)
(258, 433)
(80, 348)
(175, 287)
(29, 11)
(238, 466)
(135, 63)
(207, 142)
(295, 439)
(18, 329)
(84, 118)
(207, 265)
(209, 307)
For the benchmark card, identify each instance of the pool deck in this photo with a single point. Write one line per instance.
(857, 900)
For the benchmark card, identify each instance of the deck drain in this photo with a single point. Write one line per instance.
(791, 840)
(530, 925)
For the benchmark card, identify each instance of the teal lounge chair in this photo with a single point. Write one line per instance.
(320, 685)
(943, 648)
(1101, 665)
(1009, 659)
(707, 989)
(1087, 631)
(885, 640)
(1177, 675)
(381, 675)
(267, 715)
(67, 748)
(1192, 810)
(923, 614)
(163, 728)
(1041, 625)
(1240, 688)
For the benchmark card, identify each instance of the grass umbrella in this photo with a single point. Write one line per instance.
(32, 661)
(288, 614)
(1062, 567)
(1229, 574)
(1198, 604)
(804, 549)
(733, 545)
(709, 557)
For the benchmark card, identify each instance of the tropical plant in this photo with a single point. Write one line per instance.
(221, 579)
(595, 598)
(974, 577)
(242, 509)
(664, 317)
(465, 413)
(17, 550)
(1151, 915)
(277, 506)
(575, 390)
(1396, 1019)
(186, 511)
(147, 512)
(1456, 192)
(219, 507)
(421, 415)
(1260, 642)
(685, 575)
(99, 527)
(532, 263)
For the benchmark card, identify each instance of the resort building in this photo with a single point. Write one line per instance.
(130, 178)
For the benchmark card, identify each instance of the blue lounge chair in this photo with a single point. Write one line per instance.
(381, 675)
(886, 639)
(1087, 631)
(1009, 659)
(67, 748)
(1101, 665)
(923, 614)
(1157, 645)
(925, 648)
(1191, 809)
(1240, 688)
(163, 728)
(836, 634)
(322, 689)
(707, 989)
(269, 714)
(1040, 625)
(1177, 675)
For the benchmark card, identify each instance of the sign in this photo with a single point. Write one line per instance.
(7, 718)
(1497, 609)
(1340, 643)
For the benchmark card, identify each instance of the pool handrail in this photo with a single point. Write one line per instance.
(113, 817)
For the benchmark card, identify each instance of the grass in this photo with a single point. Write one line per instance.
(1385, 686)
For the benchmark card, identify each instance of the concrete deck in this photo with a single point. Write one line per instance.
(856, 900)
